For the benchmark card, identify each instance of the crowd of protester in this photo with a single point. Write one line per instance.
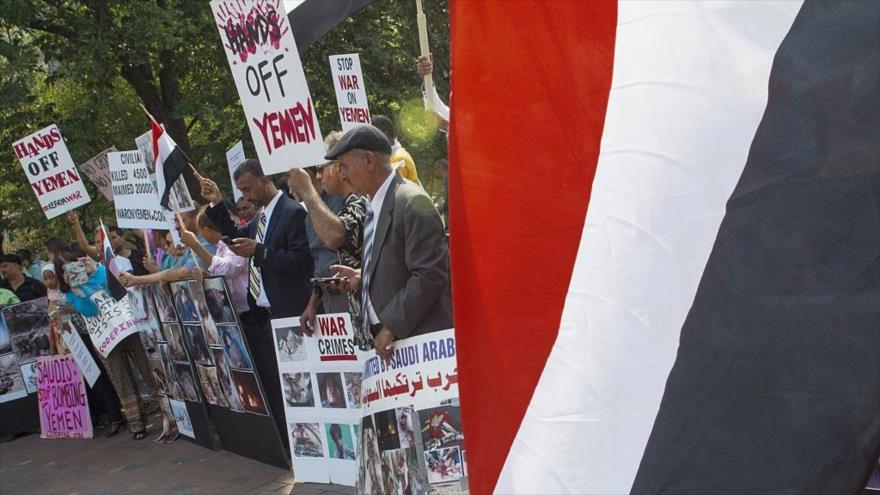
(355, 234)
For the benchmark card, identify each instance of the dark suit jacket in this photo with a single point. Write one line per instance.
(409, 266)
(284, 258)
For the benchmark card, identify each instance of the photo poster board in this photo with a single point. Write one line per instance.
(351, 95)
(180, 198)
(51, 172)
(173, 369)
(262, 54)
(321, 383)
(225, 370)
(97, 170)
(64, 408)
(134, 194)
(18, 408)
(411, 436)
(234, 158)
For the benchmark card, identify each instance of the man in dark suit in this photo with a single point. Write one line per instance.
(281, 266)
(405, 275)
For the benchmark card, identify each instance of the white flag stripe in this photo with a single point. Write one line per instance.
(688, 92)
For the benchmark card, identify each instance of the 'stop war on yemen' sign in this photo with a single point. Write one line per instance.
(270, 80)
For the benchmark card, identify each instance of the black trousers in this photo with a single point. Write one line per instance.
(102, 397)
(258, 332)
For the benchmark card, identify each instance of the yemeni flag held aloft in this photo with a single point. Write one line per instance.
(109, 261)
(667, 249)
(170, 164)
(312, 19)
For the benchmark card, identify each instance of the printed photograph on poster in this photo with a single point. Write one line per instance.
(151, 345)
(340, 441)
(175, 342)
(290, 344)
(26, 317)
(386, 430)
(298, 389)
(219, 305)
(444, 465)
(401, 470)
(197, 345)
(249, 392)
(32, 345)
(5, 340)
(405, 426)
(211, 386)
(331, 391)
(353, 388)
(236, 352)
(370, 468)
(441, 427)
(181, 417)
(157, 368)
(194, 289)
(164, 306)
(185, 302)
(186, 381)
(11, 382)
(306, 440)
(227, 384)
(29, 376)
(153, 313)
(138, 305)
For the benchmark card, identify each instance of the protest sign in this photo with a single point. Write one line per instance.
(134, 195)
(411, 437)
(80, 353)
(266, 67)
(24, 337)
(51, 172)
(112, 324)
(64, 410)
(98, 171)
(321, 383)
(351, 96)
(181, 417)
(234, 158)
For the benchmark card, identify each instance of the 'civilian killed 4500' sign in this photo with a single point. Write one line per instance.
(51, 172)
(269, 76)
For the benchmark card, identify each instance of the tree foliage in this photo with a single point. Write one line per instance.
(87, 65)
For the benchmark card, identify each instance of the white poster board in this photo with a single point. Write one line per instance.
(265, 64)
(351, 96)
(51, 172)
(134, 194)
(98, 171)
(87, 365)
(321, 384)
(234, 158)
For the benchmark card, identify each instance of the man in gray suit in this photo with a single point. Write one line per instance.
(404, 279)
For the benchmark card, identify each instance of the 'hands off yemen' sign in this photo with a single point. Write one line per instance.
(270, 80)
(51, 172)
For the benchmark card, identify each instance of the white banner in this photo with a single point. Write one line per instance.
(265, 65)
(411, 435)
(321, 383)
(87, 365)
(98, 171)
(112, 324)
(234, 158)
(51, 172)
(134, 195)
(351, 96)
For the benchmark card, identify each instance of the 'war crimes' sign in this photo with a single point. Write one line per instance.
(51, 172)
(61, 393)
(134, 197)
(269, 76)
(351, 96)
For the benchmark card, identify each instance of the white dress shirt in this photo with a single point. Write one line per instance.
(263, 301)
(376, 202)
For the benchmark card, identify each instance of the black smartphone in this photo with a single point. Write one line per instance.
(226, 240)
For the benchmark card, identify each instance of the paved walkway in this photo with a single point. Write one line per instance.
(30, 465)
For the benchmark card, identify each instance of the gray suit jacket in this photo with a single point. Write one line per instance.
(409, 266)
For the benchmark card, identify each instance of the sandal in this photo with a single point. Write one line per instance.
(139, 435)
(115, 426)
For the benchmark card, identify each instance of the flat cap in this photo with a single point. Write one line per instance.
(362, 137)
(10, 258)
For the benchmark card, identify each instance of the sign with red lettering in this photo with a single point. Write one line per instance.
(51, 172)
(321, 386)
(268, 73)
(351, 96)
(61, 394)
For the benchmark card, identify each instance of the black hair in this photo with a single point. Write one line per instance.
(25, 255)
(249, 166)
(205, 222)
(386, 125)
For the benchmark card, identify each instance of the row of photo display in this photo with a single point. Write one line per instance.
(206, 334)
(410, 451)
(334, 389)
(24, 337)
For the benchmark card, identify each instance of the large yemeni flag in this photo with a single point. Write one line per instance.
(170, 164)
(665, 234)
